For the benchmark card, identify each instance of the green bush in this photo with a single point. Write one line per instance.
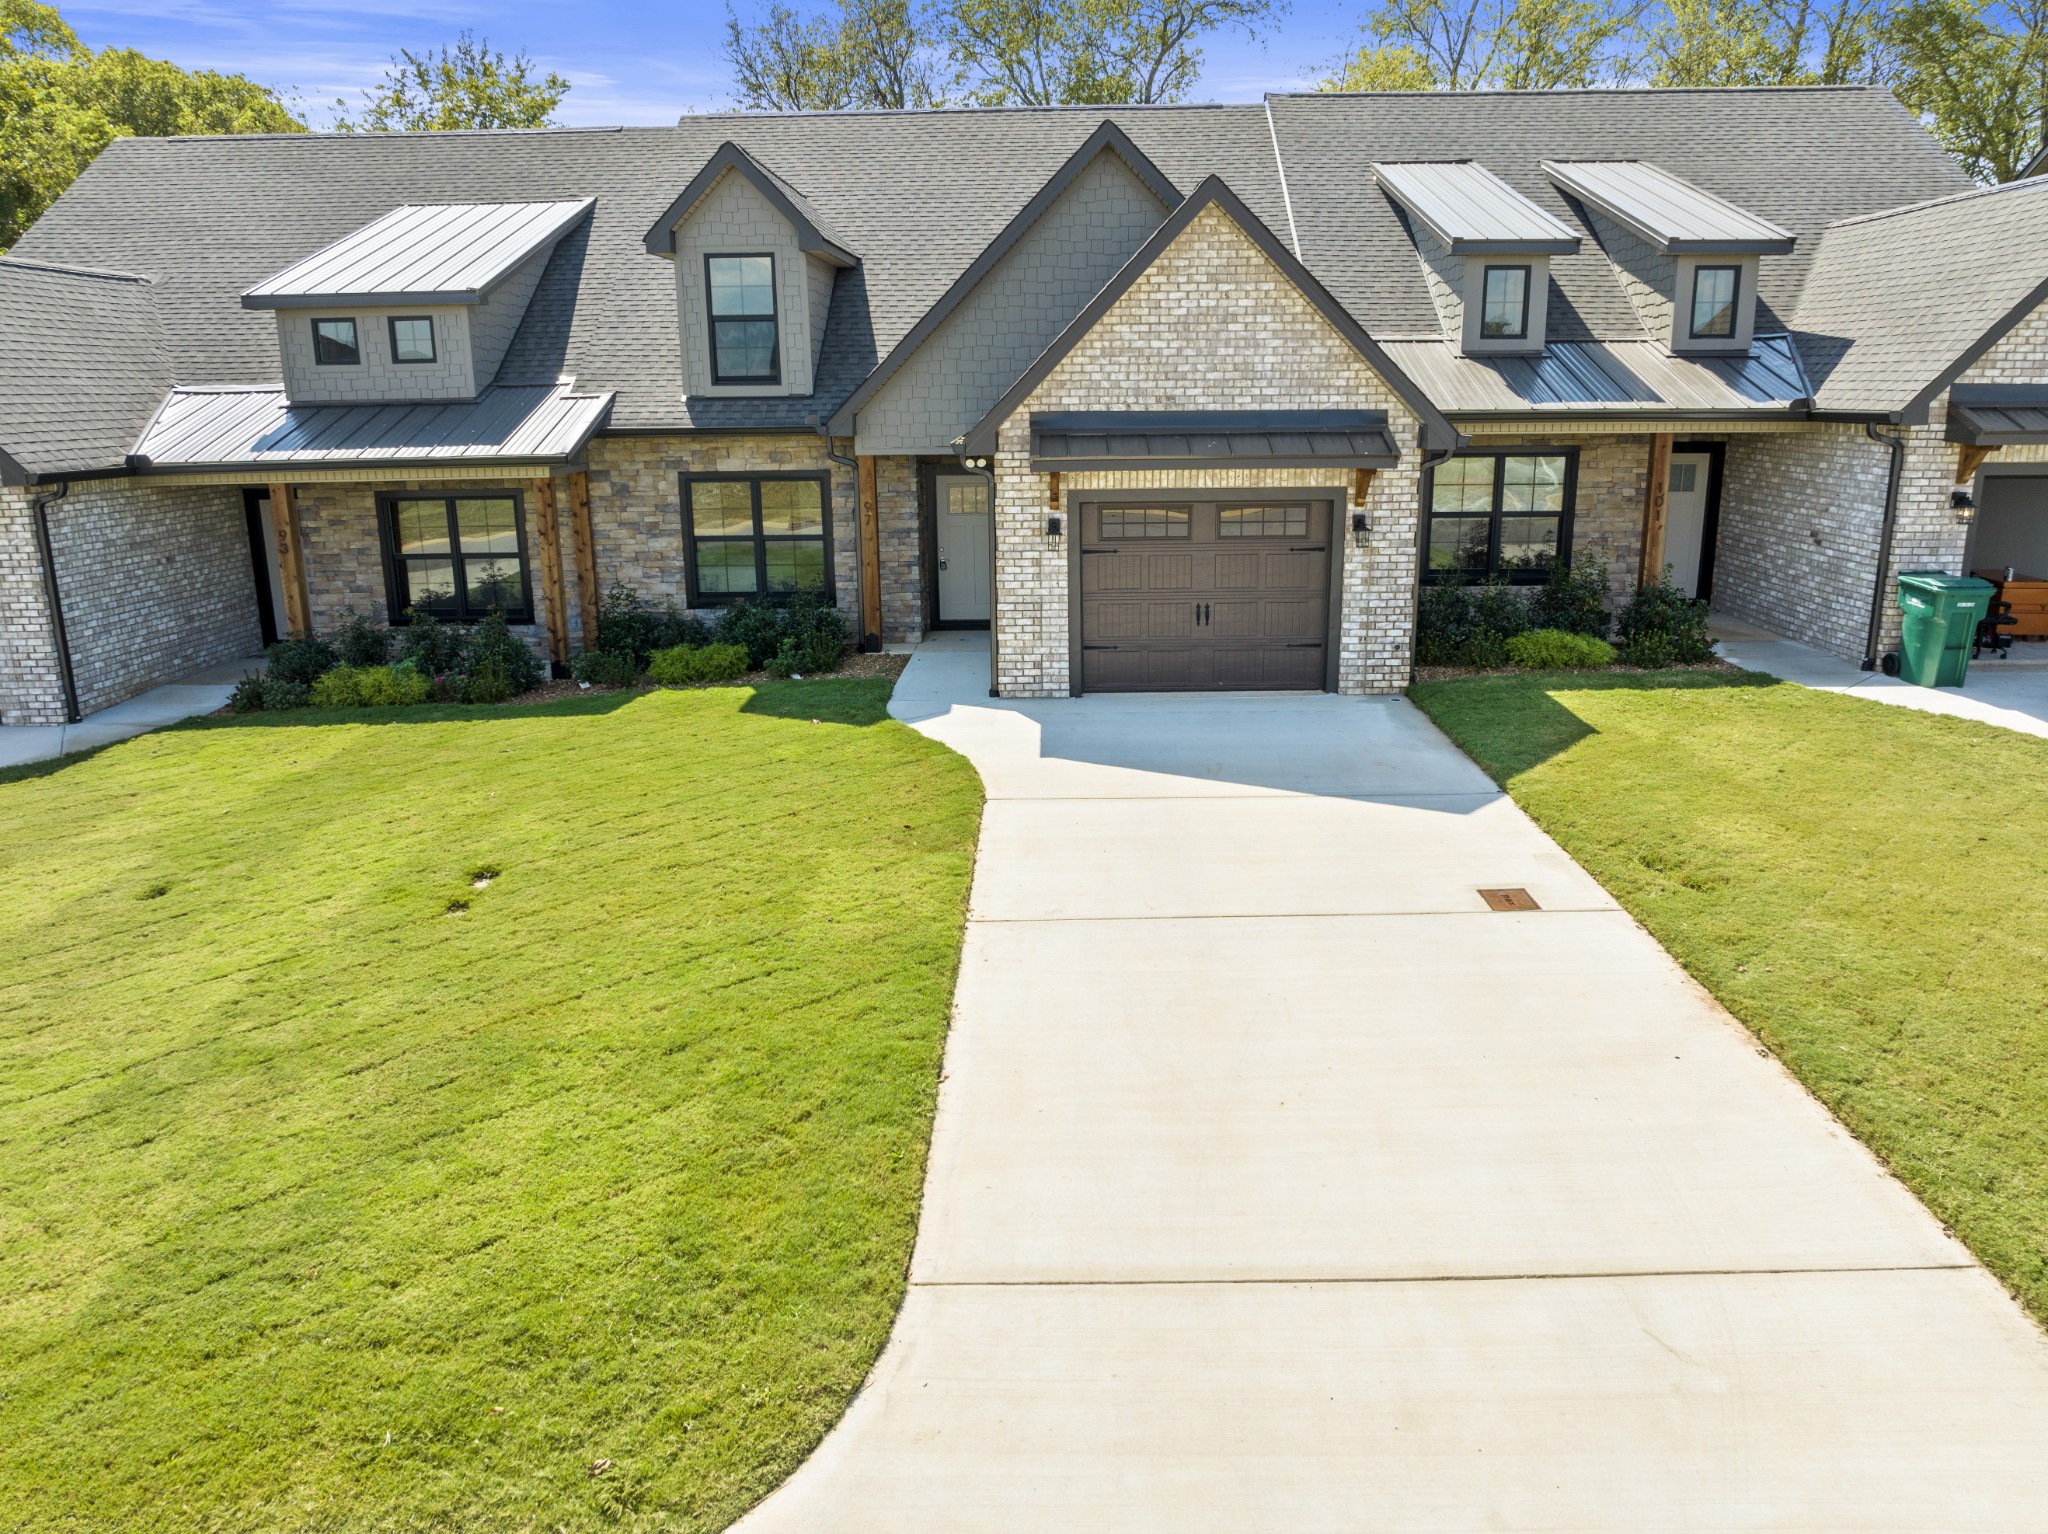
(628, 624)
(1484, 651)
(1460, 625)
(605, 668)
(1574, 599)
(683, 665)
(756, 625)
(370, 687)
(1662, 626)
(496, 652)
(1559, 650)
(359, 642)
(280, 693)
(247, 698)
(432, 647)
(303, 658)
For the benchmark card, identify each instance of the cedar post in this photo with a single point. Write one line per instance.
(586, 555)
(1969, 459)
(291, 560)
(1052, 491)
(1361, 484)
(870, 556)
(547, 519)
(1656, 501)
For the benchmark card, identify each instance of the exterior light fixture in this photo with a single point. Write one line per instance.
(1964, 505)
(1052, 527)
(1361, 525)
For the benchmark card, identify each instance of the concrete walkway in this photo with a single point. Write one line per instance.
(2012, 693)
(1278, 1184)
(200, 693)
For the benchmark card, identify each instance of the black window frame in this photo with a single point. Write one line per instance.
(1528, 272)
(433, 340)
(395, 603)
(1692, 322)
(1566, 517)
(773, 377)
(694, 591)
(355, 344)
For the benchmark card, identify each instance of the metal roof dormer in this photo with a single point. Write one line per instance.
(1674, 217)
(1473, 211)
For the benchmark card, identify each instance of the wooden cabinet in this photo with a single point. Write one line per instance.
(2028, 597)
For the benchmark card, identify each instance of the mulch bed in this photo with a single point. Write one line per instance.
(1451, 673)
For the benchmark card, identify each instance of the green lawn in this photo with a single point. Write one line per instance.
(327, 1204)
(1860, 884)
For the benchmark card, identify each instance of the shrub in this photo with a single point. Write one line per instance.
(359, 642)
(496, 651)
(1574, 599)
(247, 698)
(1460, 625)
(432, 647)
(755, 625)
(1484, 651)
(281, 693)
(447, 689)
(605, 668)
(682, 665)
(1559, 650)
(370, 687)
(303, 658)
(1659, 611)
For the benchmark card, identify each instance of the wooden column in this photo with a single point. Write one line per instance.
(1656, 502)
(870, 555)
(587, 593)
(291, 561)
(548, 522)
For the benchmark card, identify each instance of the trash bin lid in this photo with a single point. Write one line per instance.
(1941, 581)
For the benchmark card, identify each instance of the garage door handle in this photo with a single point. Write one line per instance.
(1307, 548)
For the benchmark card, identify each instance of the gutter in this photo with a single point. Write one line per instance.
(1884, 540)
(40, 515)
(1429, 461)
(852, 466)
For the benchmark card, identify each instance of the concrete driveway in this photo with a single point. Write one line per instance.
(1279, 1184)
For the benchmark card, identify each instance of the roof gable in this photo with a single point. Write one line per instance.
(82, 365)
(1213, 193)
(784, 198)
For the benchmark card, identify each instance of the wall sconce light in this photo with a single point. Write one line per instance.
(1052, 527)
(1965, 506)
(1361, 526)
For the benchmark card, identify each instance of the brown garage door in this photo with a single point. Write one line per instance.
(1201, 595)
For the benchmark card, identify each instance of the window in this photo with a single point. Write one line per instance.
(412, 340)
(1262, 522)
(755, 534)
(1145, 521)
(459, 557)
(334, 343)
(1504, 314)
(1713, 302)
(743, 341)
(1505, 514)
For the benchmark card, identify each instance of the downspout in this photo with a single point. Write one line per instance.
(1884, 539)
(979, 467)
(853, 468)
(40, 515)
(1429, 461)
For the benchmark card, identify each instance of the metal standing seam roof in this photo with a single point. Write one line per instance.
(1473, 211)
(1676, 217)
(1998, 415)
(1208, 439)
(237, 428)
(444, 253)
(1609, 377)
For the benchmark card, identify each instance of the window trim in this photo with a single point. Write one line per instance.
(1692, 319)
(433, 340)
(773, 377)
(387, 537)
(694, 592)
(353, 329)
(1567, 517)
(1528, 289)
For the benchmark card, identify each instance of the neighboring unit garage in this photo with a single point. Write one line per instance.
(2012, 526)
(1225, 592)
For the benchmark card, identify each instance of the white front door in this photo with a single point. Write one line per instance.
(1685, 519)
(965, 538)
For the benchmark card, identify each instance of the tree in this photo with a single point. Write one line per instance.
(466, 85)
(872, 54)
(1769, 42)
(61, 104)
(1978, 77)
(1491, 45)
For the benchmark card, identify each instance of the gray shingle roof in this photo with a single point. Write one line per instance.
(1898, 304)
(446, 253)
(82, 365)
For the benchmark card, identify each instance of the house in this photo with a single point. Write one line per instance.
(1172, 397)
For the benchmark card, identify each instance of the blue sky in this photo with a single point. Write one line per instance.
(625, 63)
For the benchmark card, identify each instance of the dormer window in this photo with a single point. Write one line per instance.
(334, 343)
(1714, 291)
(744, 347)
(412, 338)
(1505, 312)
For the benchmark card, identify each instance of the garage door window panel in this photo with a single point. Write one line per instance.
(1146, 521)
(1505, 515)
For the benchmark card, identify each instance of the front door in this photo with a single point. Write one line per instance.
(1210, 593)
(965, 548)
(1685, 521)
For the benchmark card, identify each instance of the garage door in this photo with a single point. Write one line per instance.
(1202, 595)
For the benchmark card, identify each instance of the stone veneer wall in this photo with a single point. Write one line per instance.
(1607, 504)
(1211, 325)
(902, 551)
(156, 580)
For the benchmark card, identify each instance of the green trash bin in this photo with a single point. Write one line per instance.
(1940, 616)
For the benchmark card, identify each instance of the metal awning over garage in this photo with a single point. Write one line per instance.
(1212, 439)
(1998, 415)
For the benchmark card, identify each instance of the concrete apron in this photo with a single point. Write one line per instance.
(1278, 1184)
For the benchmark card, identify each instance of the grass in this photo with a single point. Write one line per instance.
(433, 1119)
(1859, 884)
